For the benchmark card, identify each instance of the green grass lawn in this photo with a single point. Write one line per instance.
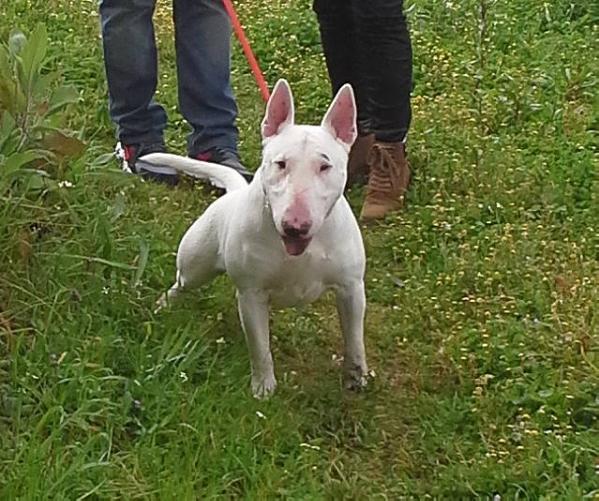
(483, 296)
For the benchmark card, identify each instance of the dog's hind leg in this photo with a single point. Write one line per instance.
(253, 313)
(351, 305)
(197, 261)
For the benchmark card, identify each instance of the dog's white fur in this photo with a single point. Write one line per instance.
(297, 190)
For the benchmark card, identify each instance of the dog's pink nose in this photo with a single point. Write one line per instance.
(297, 220)
(295, 228)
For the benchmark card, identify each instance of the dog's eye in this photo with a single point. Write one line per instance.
(325, 167)
(281, 164)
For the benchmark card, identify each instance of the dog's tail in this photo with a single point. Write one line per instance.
(220, 176)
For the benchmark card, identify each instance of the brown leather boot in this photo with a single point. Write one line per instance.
(357, 165)
(388, 181)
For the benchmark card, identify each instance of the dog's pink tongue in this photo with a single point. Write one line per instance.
(295, 246)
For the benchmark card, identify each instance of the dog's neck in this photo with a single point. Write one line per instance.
(263, 213)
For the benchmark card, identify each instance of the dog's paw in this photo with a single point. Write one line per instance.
(355, 377)
(263, 387)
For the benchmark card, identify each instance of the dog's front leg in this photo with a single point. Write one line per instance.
(351, 305)
(254, 312)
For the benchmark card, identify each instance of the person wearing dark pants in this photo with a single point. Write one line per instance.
(206, 101)
(367, 43)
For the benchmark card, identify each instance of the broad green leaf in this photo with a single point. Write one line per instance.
(43, 85)
(33, 56)
(8, 95)
(63, 145)
(16, 161)
(20, 103)
(8, 129)
(11, 95)
(6, 71)
(61, 97)
(7, 123)
(36, 181)
(21, 80)
(7, 84)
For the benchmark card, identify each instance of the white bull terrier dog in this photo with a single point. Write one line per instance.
(287, 236)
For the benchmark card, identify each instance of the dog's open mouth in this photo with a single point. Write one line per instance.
(295, 245)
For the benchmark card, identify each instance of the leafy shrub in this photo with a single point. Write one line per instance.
(31, 99)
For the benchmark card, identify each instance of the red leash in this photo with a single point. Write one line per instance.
(247, 50)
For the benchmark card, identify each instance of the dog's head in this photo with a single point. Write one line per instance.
(304, 168)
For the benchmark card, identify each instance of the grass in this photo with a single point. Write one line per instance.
(483, 316)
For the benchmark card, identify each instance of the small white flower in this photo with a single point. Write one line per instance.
(310, 446)
(183, 377)
(260, 415)
(65, 184)
(220, 340)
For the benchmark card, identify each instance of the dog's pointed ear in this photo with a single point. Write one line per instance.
(340, 118)
(279, 110)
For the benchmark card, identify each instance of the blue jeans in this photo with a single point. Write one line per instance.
(202, 42)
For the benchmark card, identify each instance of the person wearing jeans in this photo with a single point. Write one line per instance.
(206, 101)
(367, 43)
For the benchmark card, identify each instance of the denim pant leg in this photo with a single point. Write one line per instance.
(383, 31)
(343, 52)
(131, 69)
(203, 44)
